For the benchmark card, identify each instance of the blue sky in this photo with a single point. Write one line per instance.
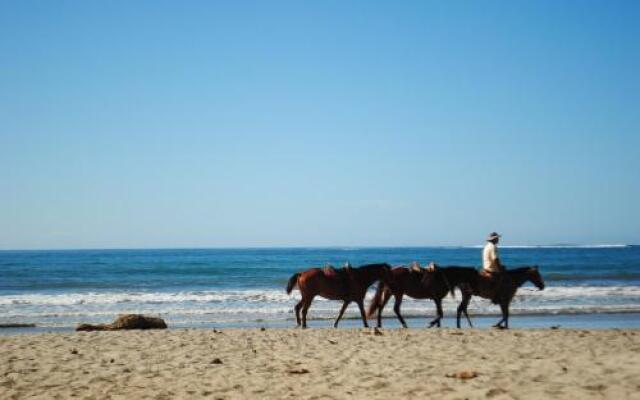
(205, 124)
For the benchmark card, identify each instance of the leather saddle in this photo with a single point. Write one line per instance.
(415, 267)
(331, 272)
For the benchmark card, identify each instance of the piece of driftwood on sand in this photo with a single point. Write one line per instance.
(127, 321)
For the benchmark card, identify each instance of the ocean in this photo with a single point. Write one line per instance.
(245, 287)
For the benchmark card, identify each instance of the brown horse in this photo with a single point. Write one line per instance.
(348, 284)
(408, 281)
(500, 291)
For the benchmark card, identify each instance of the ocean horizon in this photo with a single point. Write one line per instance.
(340, 247)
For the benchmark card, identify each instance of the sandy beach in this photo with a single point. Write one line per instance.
(322, 364)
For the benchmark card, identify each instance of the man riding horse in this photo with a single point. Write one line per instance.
(492, 268)
(491, 264)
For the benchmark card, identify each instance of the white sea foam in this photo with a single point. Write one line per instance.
(268, 296)
(238, 306)
(257, 296)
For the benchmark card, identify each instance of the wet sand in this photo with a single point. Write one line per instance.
(323, 364)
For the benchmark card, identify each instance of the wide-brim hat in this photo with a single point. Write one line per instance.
(493, 236)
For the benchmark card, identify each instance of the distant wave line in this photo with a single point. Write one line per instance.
(264, 296)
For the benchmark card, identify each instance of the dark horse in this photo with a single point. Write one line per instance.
(500, 292)
(408, 281)
(336, 286)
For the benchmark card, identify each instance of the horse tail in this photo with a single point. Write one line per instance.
(293, 281)
(377, 299)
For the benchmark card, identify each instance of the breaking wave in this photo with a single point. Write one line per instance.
(238, 306)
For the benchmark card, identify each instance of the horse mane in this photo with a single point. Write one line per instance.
(519, 270)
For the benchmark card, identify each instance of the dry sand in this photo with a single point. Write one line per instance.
(322, 364)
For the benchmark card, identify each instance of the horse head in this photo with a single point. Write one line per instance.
(534, 276)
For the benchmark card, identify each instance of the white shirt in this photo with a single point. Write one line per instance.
(490, 258)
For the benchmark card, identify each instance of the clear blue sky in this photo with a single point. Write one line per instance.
(180, 124)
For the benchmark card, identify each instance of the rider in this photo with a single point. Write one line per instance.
(491, 265)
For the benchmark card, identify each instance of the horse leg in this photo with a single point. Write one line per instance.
(462, 308)
(386, 295)
(305, 308)
(436, 321)
(396, 309)
(297, 308)
(466, 314)
(362, 313)
(344, 307)
(499, 324)
(505, 312)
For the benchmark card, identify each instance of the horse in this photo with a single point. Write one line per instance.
(501, 292)
(409, 281)
(348, 284)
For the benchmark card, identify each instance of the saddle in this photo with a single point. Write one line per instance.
(494, 281)
(342, 276)
(415, 267)
(329, 271)
(492, 276)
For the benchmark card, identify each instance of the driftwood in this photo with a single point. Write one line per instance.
(126, 321)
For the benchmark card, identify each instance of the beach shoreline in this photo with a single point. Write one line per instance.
(617, 320)
(323, 363)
